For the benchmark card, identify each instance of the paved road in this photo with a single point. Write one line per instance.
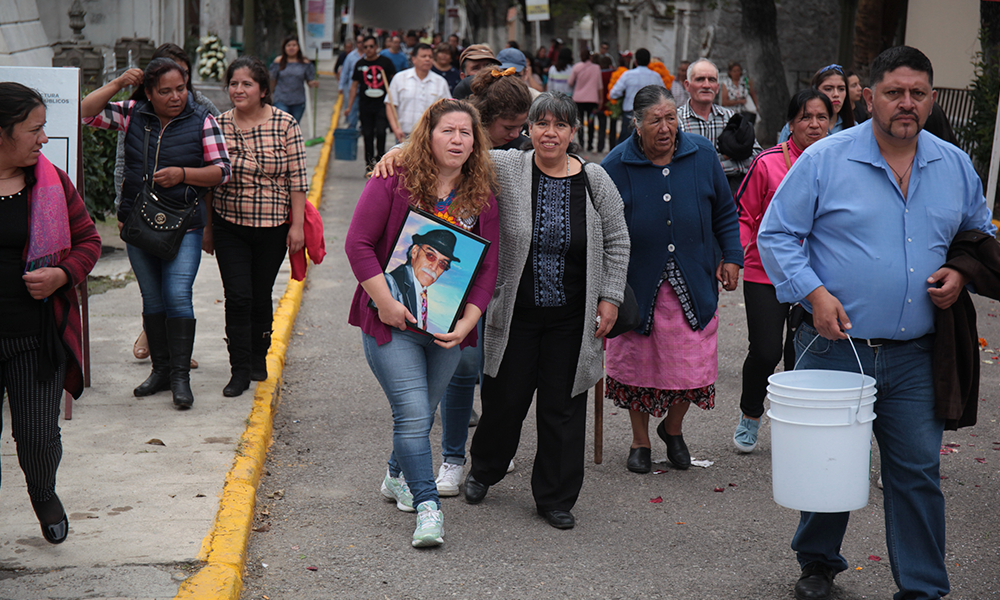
(324, 531)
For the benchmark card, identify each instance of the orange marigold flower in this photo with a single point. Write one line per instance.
(663, 72)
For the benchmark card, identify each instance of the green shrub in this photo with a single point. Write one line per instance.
(985, 90)
(100, 148)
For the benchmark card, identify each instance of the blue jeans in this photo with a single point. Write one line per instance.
(296, 110)
(456, 406)
(909, 441)
(413, 372)
(352, 118)
(166, 285)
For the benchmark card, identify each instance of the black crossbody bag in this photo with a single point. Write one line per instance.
(156, 224)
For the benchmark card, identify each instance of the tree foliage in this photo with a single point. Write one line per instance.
(985, 91)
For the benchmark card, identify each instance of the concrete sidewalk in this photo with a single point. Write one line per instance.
(141, 481)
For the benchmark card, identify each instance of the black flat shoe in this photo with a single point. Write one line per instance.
(639, 460)
(474, 491)
(53, 533)
(677, 450)
(815, 583)
(560, 519)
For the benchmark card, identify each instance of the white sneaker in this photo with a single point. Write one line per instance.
(510, 467)
(430, 525)
(449, 478)
(395, 490)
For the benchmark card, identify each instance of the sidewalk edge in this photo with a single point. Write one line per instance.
(224, 548)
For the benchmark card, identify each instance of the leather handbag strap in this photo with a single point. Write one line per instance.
(145, 157)
(784, 152)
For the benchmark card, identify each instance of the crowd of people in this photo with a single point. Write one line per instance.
(684, 201)
(587, 271)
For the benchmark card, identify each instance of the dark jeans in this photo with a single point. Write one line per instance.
(586, 111)
(606, 126)
(373, 126)
(249, 259)
(541, 354)
(766, 319)
(909, 440)
(627, 126)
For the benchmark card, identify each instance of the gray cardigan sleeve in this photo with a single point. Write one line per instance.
(608, 203)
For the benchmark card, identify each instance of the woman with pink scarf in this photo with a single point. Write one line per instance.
(48, 245)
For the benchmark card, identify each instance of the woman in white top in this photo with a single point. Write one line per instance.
(559, 73)
(738, 93)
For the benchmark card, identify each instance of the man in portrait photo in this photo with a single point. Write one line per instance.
(427, 258)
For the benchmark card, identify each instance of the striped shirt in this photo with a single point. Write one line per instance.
(269, 162)
(116, 115)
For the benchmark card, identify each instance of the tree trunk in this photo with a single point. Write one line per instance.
(760, 37)
(875, 28)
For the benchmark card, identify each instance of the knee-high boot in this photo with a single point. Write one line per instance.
(238, 340)
(180, 339)
(155, 327)
(260, 334)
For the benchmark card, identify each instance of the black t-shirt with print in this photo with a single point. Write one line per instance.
(373, 77)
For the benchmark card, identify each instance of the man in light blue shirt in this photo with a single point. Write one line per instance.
(395, 53)
(347, 76)
(877, 206)
(629, 84)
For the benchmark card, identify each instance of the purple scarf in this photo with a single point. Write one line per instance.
(49, 240)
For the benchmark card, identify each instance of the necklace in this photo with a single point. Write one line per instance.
(443, 203)
(567, 165)
(900, 178)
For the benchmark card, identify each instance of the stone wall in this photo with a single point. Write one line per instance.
(23, 40)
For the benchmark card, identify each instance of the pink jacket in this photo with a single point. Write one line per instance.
(753, 198)
(585, 79)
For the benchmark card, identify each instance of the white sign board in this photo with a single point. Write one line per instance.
(60, 87)
(538, 10)
(319, 29)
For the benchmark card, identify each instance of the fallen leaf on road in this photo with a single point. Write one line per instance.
(874, 558)
(656, 500)
(718, 489)
(312, 568)
(263, 528)
(732, 485)
(982, 342)
(953, 445)
(277, 494)
(944, 477)
(661, 471)
(156, 442)
(981, 460)
(680, 523)
(199, 495)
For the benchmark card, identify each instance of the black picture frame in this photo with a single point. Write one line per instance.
(465, 252)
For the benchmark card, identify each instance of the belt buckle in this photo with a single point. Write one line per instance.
(869, 343)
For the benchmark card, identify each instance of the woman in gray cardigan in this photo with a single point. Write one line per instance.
(564, 252)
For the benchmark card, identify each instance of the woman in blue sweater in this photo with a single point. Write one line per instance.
(679, 210)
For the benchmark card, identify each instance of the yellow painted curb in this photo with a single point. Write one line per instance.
(224, 548)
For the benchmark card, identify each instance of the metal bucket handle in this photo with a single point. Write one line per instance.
(861, 393)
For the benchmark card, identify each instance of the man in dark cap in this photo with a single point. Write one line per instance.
(427, 258)
(473, 59)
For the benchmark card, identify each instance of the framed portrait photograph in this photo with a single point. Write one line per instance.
(431, 269)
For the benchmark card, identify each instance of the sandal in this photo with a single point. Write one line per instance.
(140, 349)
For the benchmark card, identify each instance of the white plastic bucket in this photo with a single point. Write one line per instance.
(821, 430)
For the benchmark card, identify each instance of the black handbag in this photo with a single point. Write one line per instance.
(628, 310)
(156, 224)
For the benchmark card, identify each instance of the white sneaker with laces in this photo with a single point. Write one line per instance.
(395, 490)
(449, 478)
(430, 525)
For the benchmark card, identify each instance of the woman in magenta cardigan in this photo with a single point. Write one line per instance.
(48, 244)
(809, 115)
(445, 170)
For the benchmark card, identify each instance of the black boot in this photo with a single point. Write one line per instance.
(238, 341)
(260, 334)
(159, 354)
(180, 340)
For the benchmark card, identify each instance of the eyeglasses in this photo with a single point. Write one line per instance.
(834, 67)
(433, 258)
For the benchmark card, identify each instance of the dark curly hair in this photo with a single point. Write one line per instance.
(503, 97)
